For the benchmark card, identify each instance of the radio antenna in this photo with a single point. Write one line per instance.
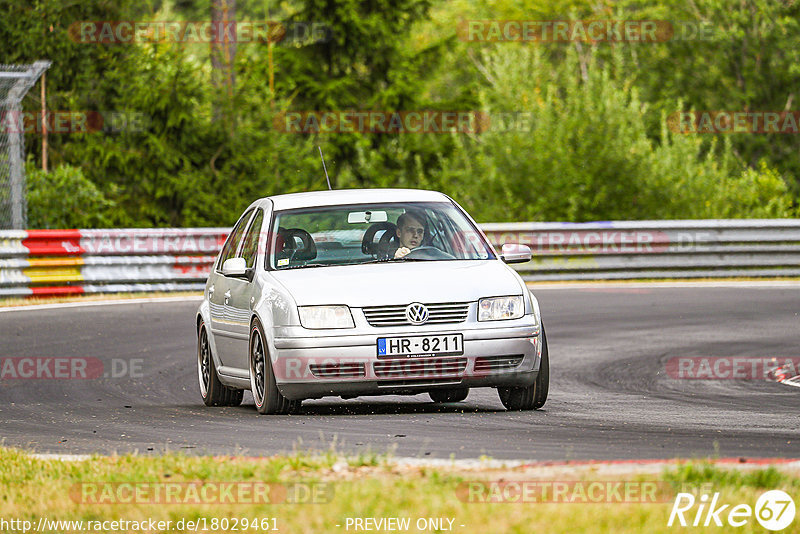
(324, 168)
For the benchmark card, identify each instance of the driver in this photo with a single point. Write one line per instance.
(411, 228)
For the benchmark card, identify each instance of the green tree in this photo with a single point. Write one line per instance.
(579, 151)
(65, 198)
(724, 56)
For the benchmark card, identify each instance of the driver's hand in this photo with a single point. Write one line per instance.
(402, 251)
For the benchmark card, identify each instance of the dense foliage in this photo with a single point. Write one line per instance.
(579, 130)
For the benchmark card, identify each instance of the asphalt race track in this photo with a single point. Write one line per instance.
(610, 397)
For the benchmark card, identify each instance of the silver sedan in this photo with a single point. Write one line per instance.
(367, 292)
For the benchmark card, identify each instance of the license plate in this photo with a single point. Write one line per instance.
(418, 346)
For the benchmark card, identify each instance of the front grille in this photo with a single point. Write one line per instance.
(337, 370)
(488, 364)
(419, 383)
(447, 312)
(421, 368)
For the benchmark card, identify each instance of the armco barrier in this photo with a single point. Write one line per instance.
(58, 262)
(53, 262)
(655, 249)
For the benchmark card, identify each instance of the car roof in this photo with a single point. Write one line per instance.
(354, 196)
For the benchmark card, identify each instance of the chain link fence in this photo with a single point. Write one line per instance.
(15, 81)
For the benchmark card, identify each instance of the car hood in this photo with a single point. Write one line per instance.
(400, 283)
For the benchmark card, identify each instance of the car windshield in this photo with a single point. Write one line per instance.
(373, 233)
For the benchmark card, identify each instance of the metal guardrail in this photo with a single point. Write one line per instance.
(55, 262)
(619, 250)
(59, 262)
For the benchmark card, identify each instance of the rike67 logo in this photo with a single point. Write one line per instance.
(774, 510)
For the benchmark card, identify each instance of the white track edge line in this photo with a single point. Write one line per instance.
(754, 284)
(57, 305)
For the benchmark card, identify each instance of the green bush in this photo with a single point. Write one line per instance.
(584, 153)
(593, 142)
(65, 198)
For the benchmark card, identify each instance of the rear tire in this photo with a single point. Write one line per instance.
(449, 395)
(214, 393)
(268, 399)
(534, 396)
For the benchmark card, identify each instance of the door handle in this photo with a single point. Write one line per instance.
(227, 295)
(210, 291)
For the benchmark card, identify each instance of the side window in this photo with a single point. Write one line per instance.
(250, 248)
(229, 249)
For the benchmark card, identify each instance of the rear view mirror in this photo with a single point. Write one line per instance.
(513, 253)
(234, 267)
(355, 217)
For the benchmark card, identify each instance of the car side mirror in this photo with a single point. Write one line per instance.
(235, 267)
(514, 253)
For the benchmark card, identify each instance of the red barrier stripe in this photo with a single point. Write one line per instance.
(53, 243)
(54, 291)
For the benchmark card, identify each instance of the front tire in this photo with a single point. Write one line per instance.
(449, 395)
(534, 396)
(268, 399)
(214, 392)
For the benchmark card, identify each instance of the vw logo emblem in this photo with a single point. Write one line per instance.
(417, 313)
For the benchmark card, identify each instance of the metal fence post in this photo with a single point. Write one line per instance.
(18, 202)
(15, 81)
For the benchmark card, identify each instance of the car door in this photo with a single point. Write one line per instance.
(243, 297)
(219, 294)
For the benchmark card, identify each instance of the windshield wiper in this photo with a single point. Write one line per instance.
(388, 260)
(304, 265)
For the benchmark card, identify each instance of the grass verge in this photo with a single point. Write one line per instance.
(328, 492)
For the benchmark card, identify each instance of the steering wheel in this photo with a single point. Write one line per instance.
(426, 252)
(308, 250)
(387, 240)
(369, 247)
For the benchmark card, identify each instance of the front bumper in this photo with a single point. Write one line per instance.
(309, 366)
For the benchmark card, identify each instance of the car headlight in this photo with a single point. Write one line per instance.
(325, 317)
(501, 308)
